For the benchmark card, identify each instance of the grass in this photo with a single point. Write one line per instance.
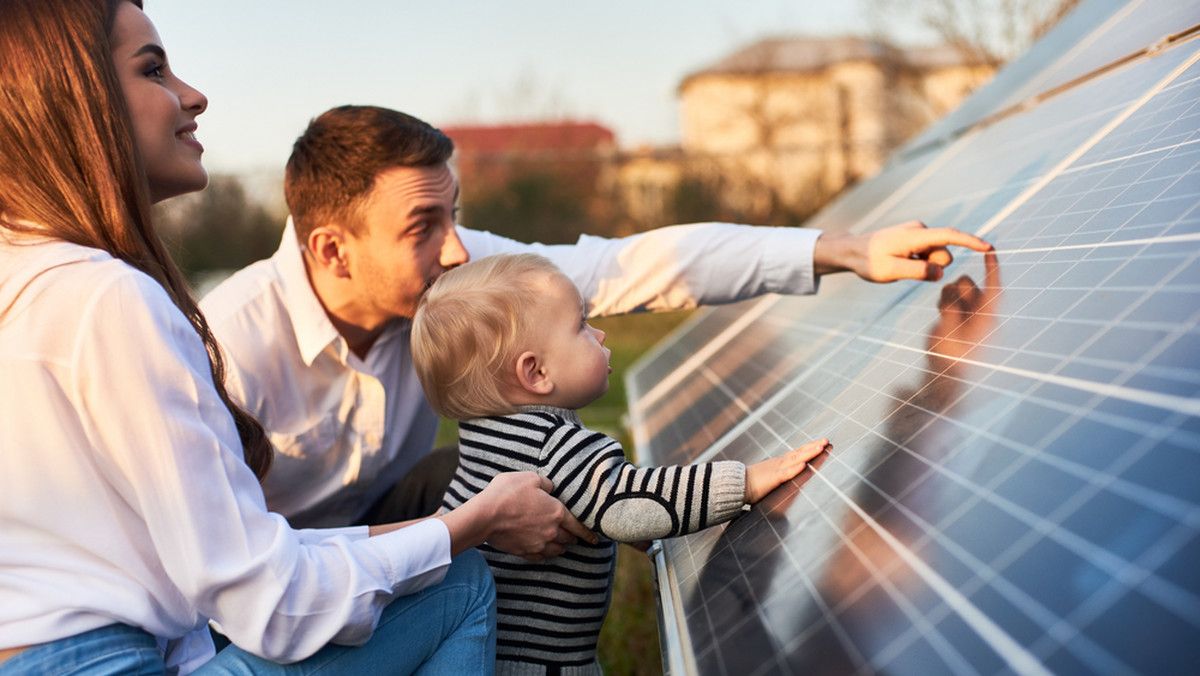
(629, 641)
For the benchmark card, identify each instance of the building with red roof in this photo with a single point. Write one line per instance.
(488, 156)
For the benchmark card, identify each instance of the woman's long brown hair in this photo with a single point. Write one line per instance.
(68, 161)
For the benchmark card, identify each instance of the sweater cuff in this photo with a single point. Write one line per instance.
(727, 491)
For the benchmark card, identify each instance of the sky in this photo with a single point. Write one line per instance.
(269, 66)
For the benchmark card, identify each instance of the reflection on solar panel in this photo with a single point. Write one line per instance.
(1015, 480)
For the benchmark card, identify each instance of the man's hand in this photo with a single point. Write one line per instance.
(515, 514)
(906, 251)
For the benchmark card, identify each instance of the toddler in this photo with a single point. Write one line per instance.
(502, 344)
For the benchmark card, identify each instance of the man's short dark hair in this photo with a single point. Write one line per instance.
(335, 161)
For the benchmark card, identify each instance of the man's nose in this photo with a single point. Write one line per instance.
(453, 251)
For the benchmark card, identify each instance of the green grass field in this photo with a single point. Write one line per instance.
(629, 641)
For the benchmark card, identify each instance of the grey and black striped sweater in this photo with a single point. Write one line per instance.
(549, 613)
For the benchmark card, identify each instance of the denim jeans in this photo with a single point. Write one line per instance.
(115, 649)
(449, 628)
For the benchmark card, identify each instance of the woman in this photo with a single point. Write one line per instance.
(130, 513)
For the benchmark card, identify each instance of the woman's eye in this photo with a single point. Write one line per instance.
(155, 71)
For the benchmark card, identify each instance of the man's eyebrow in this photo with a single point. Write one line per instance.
(425, 209)
(151, 48)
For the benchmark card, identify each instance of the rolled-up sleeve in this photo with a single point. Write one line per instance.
(674, 268)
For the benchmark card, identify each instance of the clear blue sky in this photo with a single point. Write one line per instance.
(268, 66)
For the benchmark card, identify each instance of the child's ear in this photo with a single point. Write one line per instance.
(531, 376)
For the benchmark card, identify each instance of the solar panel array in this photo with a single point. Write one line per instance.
(1015, 480)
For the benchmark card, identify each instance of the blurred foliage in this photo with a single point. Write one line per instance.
(220, 228)
(989, 31)
(698, 198)
(537, 204)
(534, 205)
(694, 201)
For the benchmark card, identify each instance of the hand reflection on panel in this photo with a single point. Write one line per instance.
(863, 575)
(735, 579)
(875, 595)
(966, 317)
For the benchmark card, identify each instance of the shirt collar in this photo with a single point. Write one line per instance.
(314, 332)
(570, 415)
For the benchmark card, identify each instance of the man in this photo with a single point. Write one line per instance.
(317, 337)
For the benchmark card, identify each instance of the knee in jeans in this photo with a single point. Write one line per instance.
(471, 570)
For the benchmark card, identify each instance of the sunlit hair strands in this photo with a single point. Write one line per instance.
(69, 167)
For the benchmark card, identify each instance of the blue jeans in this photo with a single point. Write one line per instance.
(115, 649)
(449, 628)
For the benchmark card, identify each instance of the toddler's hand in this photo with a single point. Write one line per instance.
(764, 477)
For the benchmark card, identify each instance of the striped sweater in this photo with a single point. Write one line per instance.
(549, 613)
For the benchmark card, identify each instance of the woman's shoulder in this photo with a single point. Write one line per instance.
(31, 257)
(42, 276)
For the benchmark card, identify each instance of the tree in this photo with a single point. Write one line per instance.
(985, 31)
(220, 228)
(534, 205)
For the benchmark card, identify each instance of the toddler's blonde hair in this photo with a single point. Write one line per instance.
(469, 328)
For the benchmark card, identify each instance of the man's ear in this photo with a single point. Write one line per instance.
(531, 376)
(327, 246)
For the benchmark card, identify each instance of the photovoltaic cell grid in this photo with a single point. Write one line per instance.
(1015, 483)
(1101, 34)
(709, 391)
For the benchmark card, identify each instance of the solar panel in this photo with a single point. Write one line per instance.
(1015, 480)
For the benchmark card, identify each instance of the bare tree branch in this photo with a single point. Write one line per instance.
(985, 31)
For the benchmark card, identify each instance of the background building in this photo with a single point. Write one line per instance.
(777, 128)
(768, 135)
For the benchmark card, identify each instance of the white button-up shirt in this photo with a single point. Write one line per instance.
(124, 496)
(346, 429)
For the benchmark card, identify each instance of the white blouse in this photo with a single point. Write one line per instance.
(123, 494)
